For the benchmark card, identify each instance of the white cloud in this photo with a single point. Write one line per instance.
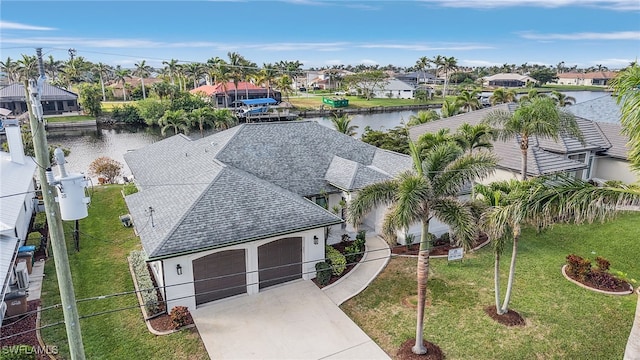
(613, 63)
(619, 35)
(467, 62)
(7, 25)
(425, 47)
(617, 5)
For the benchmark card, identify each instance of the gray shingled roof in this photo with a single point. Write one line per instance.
(245, 183)
(15, 92)
(543, 155)
(601, 109)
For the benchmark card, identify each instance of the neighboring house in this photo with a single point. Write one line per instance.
(507, 80)
(326, 79)
(17, 197)
(248, 207)
(603, 149)
(132, 83)
(418, 77)
(599, 78)
(394, 89)
(216, 94)
(54, 100)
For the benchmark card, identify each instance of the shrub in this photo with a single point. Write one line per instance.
(362, 235)
(603, 264)
(578, 266)
(107, 168)
(337, 261)
(351, 253)
(145, 283)
(180, 316)
(127, 114)
(129, 188)
(18, 352)
(409, 239)
(323, 272)
(39, 222)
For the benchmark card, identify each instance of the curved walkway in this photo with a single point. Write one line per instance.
(376, 257)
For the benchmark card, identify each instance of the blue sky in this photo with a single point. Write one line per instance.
(324, 33)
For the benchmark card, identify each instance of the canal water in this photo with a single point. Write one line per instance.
(87, 145)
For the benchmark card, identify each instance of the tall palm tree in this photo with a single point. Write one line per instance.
(178, 120)
(52, 68)
(224, 119)
(430, 189)
(423, 117)
(10, 68)
(625, 86)
(103, 70)
(172, 69)
(213, 68)
(283, 83)
(428, 141)
(448, 64)
(503, 96)
(537, 117)
(27, 68)
(235, 65)
(342, 124)
(268, 74)
(120, 74)
(438, 62)
(422, 64)
(468, 100)
(195, 71)
(531, 94)
(471, 137)
(142, 70)
(247, 71)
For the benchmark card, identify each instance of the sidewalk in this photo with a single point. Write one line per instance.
(376, 257)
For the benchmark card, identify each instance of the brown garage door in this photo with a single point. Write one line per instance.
(280, 261)
(219, 275)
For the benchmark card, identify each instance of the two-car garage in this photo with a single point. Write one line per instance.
(227, 273)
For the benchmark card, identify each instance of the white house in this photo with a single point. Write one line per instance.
(507, 80)
(17, 197)
(599, 78)
(248, 207)
(394, 89)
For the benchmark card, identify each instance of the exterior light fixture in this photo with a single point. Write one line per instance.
(179, 269)
(315, 239)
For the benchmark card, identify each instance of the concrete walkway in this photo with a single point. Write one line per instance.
(376, 257)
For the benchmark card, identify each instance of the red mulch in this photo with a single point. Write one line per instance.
(26, 324)
(510, 318)
(405, 353)
(617, 286)
(436, 250)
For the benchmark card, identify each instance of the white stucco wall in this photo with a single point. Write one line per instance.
(180, 290)
(26, 212)
(613, 169)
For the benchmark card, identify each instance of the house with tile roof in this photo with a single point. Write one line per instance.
(507, 80)
(55, 100)
(226, 95)
(602, 156)
(248, 207)
(597, 78)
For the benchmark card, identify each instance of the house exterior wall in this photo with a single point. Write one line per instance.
(613, 169)
(26, 212)
(180, 291)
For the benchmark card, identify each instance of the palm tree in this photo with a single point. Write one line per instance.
(195, 71)
(423, 117)
(561, 99)
(172, 69)
(235, 73)
(103, 70)
(448, 64)
(625, 86)
(503, 96)
(470, 137)
(175, 119)
(10, 68)
(428, 141)
(449, 108)
(121, 76)
(213, 68)
(27, 68)
(429, 190)
(438, 61)
(422, 64)
(52, 68)
(267, 75)
(224, 119)
(201, 117)
(468, 100)
(342, 124)
(142, 70)
(532, 94)
(537, 117)
(283, 83)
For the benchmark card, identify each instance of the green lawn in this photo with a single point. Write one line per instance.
(101, 268)
(315, 101)
(72, 118)
(564, 321)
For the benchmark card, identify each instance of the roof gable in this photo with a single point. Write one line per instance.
(15, 92)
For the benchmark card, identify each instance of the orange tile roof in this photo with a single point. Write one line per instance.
(210, 90)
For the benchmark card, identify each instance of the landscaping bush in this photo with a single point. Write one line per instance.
(129, 188)
(145, 283)
(39, 222)
(351, 253)
(337, 261)
(323, 272)
(127, 114)
(180, 316)
(578, 267)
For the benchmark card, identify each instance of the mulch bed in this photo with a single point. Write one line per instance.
(616, 286)
(510, 318)
(164, 323)
(405, 353)
(340, 247)
(436, 250)
(26, 324)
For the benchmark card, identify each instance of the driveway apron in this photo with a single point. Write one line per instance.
(296, 320)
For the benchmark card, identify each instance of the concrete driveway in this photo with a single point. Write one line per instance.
(292, 321)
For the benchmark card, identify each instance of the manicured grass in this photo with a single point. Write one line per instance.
(573, 87)
(72, 118)
(109, 105)
(101, 268)
(315, 101)
(564, 321)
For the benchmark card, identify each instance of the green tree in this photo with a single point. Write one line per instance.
(283, 83)
(121, 76)
(342, 124)
(423, 117)
(422, 64)
(431, 189)
(626, 86)
(561, 99)
(450, 107)
(468, 100)
(89, 97)
(151, 110)
(176, 120)
(396, 139)
(471, 137)
(103, 70)
(142, 70)
(202, 117)
(366, 82)
(537, 117)
(428, 141)
(544, 75)
(503, 96)
(224, 119)
(10, 68)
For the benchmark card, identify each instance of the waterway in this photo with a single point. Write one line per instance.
(87, 145)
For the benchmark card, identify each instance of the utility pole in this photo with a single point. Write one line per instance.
(54, 219)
